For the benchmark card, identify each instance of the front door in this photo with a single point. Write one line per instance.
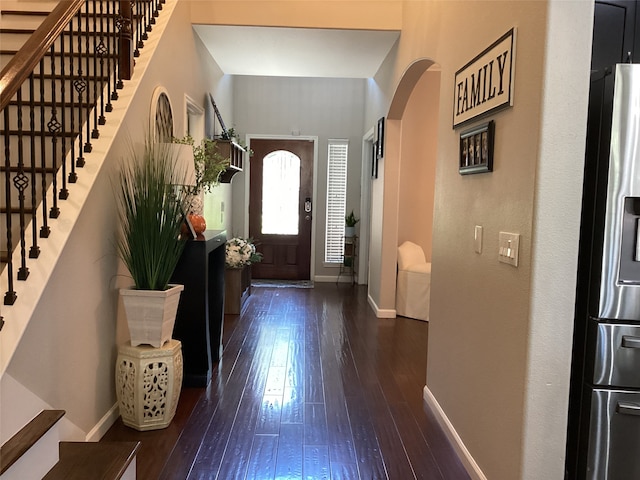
(280, 208)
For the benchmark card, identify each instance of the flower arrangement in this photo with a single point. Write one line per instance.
(241, 252)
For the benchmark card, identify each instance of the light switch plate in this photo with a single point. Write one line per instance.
(477, 239)
(508, 248)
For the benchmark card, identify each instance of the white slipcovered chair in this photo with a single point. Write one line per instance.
(414, 282)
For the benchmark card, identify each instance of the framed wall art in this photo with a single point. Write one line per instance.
(374, 160)
(485, 84)
(380, 139)
(476, 149)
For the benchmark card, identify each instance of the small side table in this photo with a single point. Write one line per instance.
(348, 266)
(148, 383)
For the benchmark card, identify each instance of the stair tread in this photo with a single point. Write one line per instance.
(21, 5)
(99, 460)
(19, 31)
(25, 13)
(17, 445)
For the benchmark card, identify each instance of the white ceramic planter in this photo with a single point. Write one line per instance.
(151, 314)
(349, 231)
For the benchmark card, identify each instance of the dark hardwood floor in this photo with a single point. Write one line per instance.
(311, 385)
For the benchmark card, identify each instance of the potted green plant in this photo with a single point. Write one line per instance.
(151, 208)
(231, 135)
(209, 165)
(350, 224)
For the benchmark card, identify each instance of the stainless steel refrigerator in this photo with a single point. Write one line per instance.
(604, 415)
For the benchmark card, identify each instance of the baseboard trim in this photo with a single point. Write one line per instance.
(333, 279)
(465, 456)
(381, 313)
(104, 424)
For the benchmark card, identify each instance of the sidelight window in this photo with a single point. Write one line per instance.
(336, 200)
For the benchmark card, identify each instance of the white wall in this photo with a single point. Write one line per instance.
(499, 337)
(326, 108)
(555, 238)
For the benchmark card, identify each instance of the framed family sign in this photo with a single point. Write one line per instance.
(476, 149)
(485, 84)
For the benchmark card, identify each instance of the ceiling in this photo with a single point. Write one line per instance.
(297, 52)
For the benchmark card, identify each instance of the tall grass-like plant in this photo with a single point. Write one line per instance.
(150, 209)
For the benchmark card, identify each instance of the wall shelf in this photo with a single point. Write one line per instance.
(235, 154)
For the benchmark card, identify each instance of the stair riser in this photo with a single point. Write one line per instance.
(45, 450)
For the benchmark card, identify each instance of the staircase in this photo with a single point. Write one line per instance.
(73, 460)
(56, 103)
(59, 83)
(63, 66)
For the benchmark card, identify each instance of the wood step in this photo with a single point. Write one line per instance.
(18, 31)
(22, 441)
(59, 54)
(30, 13)
(93, 460)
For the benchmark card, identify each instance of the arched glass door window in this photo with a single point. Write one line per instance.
(280, 193)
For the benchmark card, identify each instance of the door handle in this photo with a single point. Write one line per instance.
(307, 205)
(630, 342)
(637, 255)
(628, 408)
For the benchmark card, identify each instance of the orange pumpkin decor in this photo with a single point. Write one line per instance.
(198, 222)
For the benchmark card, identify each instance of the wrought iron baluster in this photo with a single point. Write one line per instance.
(80, 85)
(101, 51)
(64, 191)
(34, 251)
(21, 183)
(87, 35)
(95, 133)
(10, 295)
(53, 125)
(44, 230)
(146, 23)
(155, 8)
(124, 25)
(138, 19)
(73, 176)
(111, 47)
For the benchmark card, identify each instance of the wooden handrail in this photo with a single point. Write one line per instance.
(24, 62)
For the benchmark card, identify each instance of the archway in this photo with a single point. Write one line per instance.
(409, 175)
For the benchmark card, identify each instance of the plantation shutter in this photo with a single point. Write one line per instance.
(336, 200)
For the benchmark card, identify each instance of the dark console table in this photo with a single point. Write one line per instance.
(201, 308)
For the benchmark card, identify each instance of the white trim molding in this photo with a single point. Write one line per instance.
(105, 423)
(465, 456)
(381, 313)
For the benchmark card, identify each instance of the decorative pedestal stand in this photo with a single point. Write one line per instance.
(237, 288)
(148, 382)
